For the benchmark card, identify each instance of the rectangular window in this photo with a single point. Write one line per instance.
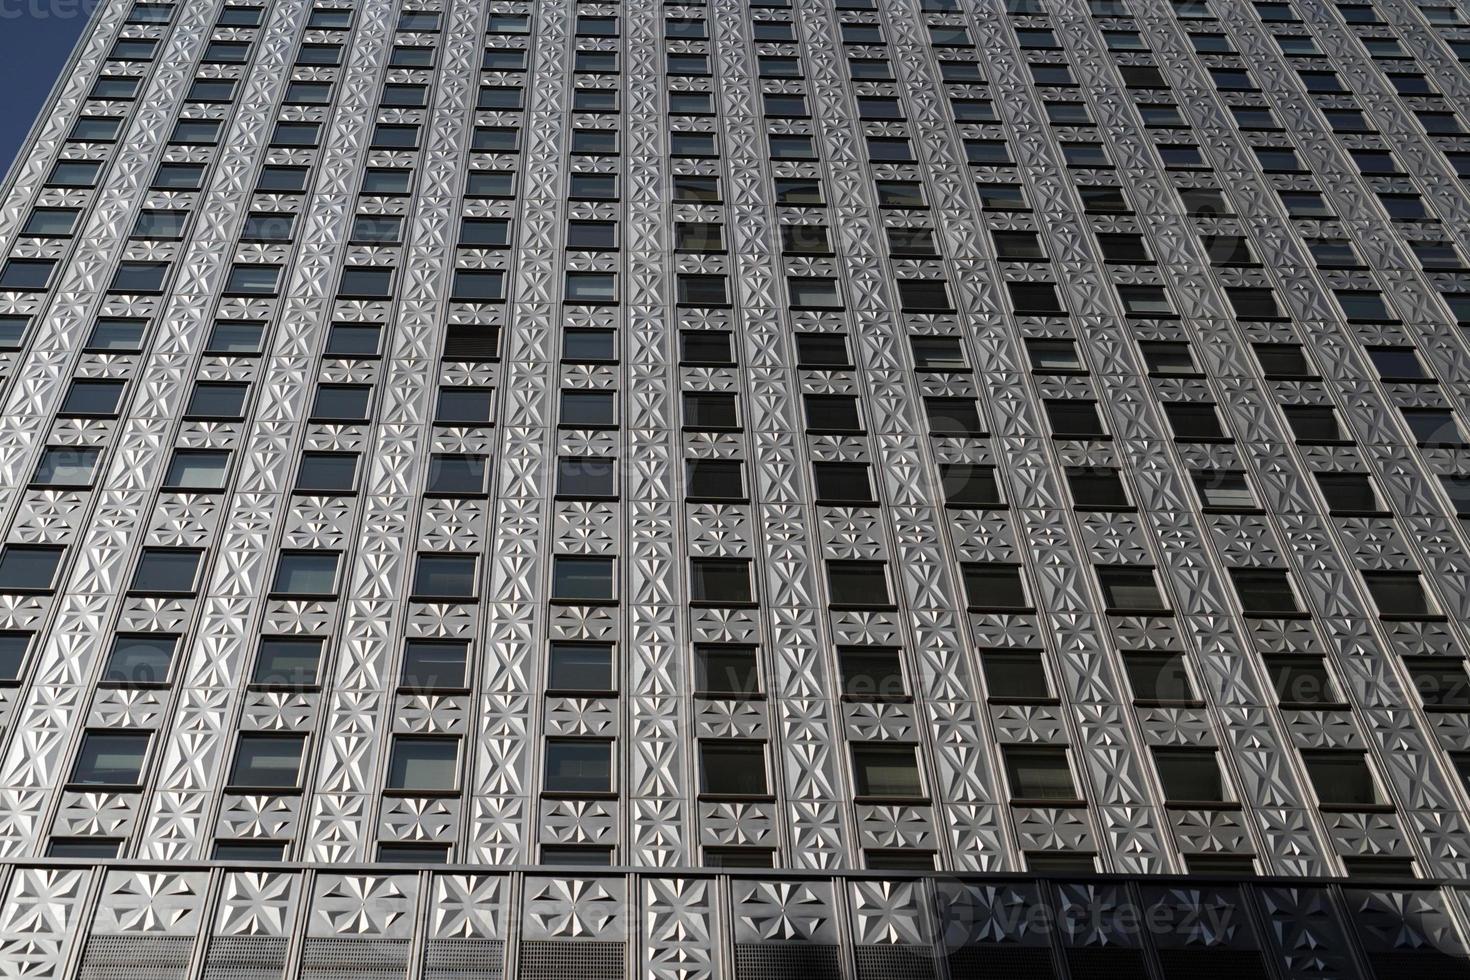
(424, 765)
(197, 469)
(110, 758)
(27, 274)
(834, 414)
(495, 139)
(582, 579)
(968, 485)
(699, 236)
(886, 770)
(286, 180)
(871, 673)
(141, 659)
(795, 192)
(212, 90)
(296, 134)
(924, 296)
(705, 347)
(1399, 594)
(433, 665)
(376, 230)
(270, 762)
(63, 466)
(719, 581)
(29, 568)
(1039, 772)
(1074, 418)
(588, 409)
(47, 222)
(1158, 677)
(1130, 590)
(90, 848)
(1224, 489)
(724, 670)
(366, 282)
(1342, 779)
(708, 411)
(1283, 361)
(488, 286)
(1301, 680)
(1015, 675)
(911, 242)
(737, 857)
(585, 477)
(591, 287)
(217, 401)
(714, 479)
(1053, 356)
(1313, 423)
(112, 334)
(1190, 776)
(1193, 421)
(588, 346)
(266, 227)
(822, 350)
(1441, 682)
(484, 232)
(1264, 592)
(479, 183)
(353, 340)
(456, 475)
(306, 573)
(814, 293)
(989, 586)
(12, 330)
(166, 571)
(580, 667)
(858, 583)
(195, 131)
(593, 187)
(1434, 427)
(465, 406)
(130, 277)
(1099, 488)
(842, 483)
(446, 577)
(93, 398)
(1349, 493)
(578, 766)
(287, 661)
(253, 280)
(732, 768)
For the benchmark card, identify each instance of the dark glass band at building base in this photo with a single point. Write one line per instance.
(129, 921)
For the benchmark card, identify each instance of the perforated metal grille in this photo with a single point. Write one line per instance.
(245, 958)
(550, 960)
(1212, 964)
(1106, 964)
(354, 959)
(989, 961)
(894, 963)
(1419, 964)
(786, 961)
(464, 959)
(136, 957)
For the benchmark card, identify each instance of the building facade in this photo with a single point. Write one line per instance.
(747, 488)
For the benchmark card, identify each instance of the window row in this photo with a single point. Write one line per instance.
(1037, 775)
(851, 583)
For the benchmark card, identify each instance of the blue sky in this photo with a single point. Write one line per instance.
(36, 38)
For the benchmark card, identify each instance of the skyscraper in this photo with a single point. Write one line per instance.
(879, 489)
